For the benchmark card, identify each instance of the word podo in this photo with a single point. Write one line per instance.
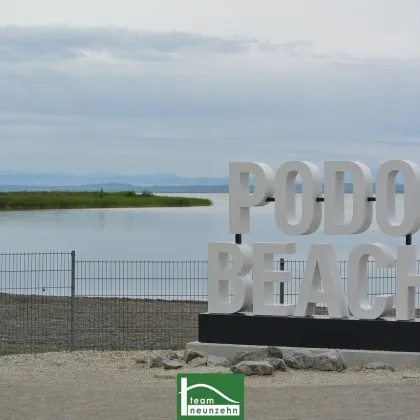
(321, 281)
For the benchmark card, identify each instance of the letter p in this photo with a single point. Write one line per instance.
(240, 200)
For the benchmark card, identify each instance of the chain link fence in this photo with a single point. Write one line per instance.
(53, 302)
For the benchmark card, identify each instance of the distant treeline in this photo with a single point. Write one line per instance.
(43, 200)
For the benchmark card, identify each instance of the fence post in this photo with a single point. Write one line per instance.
(73, 302)
(282, 283)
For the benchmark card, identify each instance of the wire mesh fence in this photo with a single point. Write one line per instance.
(35, 302)
(139, 304)
(53, 302)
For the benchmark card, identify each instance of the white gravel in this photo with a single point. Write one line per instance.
(95, 367)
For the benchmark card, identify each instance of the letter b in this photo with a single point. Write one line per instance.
(222, 276)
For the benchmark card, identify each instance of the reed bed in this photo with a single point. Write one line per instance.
(44, 200)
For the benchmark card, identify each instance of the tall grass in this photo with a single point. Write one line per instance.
(41, 200)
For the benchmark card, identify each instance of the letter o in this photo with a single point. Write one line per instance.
(285, 192)
(385, 198)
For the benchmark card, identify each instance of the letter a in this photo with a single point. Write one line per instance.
(322, 284)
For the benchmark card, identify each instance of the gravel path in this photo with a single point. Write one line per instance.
(109, 385)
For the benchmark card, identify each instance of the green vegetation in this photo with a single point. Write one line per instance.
(44, 200)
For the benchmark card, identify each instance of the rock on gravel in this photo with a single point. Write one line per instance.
(330, 361)
(87, 369)
(197, 362)
(379, 365)
(249, 368)
(218, 361)
(142, 359)
(172, 364)
(191, 355)
(156, 361)
(278, 364)
(298, 359)
(171, 355)
(259, 355)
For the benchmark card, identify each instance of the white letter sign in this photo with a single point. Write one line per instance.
(357, 288)
(385, 198)
(240, 200)
(220, 276)
(265, 276)
(285, 192)
(334, 198)
(407, 281)
(322, 284)
(230, 286)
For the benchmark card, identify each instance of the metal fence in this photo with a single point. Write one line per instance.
(53, 302)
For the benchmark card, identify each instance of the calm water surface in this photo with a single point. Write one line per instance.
(160, 233)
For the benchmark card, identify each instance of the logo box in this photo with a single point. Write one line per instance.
(210, 395)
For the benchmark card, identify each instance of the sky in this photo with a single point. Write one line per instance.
(186, 86)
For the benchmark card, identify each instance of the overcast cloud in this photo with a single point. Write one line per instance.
(145, 87)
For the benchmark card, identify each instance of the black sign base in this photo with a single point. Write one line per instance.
(384, 334)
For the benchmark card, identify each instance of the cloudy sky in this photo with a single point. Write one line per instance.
(185, 86)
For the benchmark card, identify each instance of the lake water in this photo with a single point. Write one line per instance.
(150, 240)
(160, 233)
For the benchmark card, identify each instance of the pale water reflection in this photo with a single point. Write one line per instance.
(154, 241)
(160, 233)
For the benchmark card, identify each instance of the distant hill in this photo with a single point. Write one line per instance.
(54, 179)
(115, 187)
(119, 187)
(58, 179)
(159, 182)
